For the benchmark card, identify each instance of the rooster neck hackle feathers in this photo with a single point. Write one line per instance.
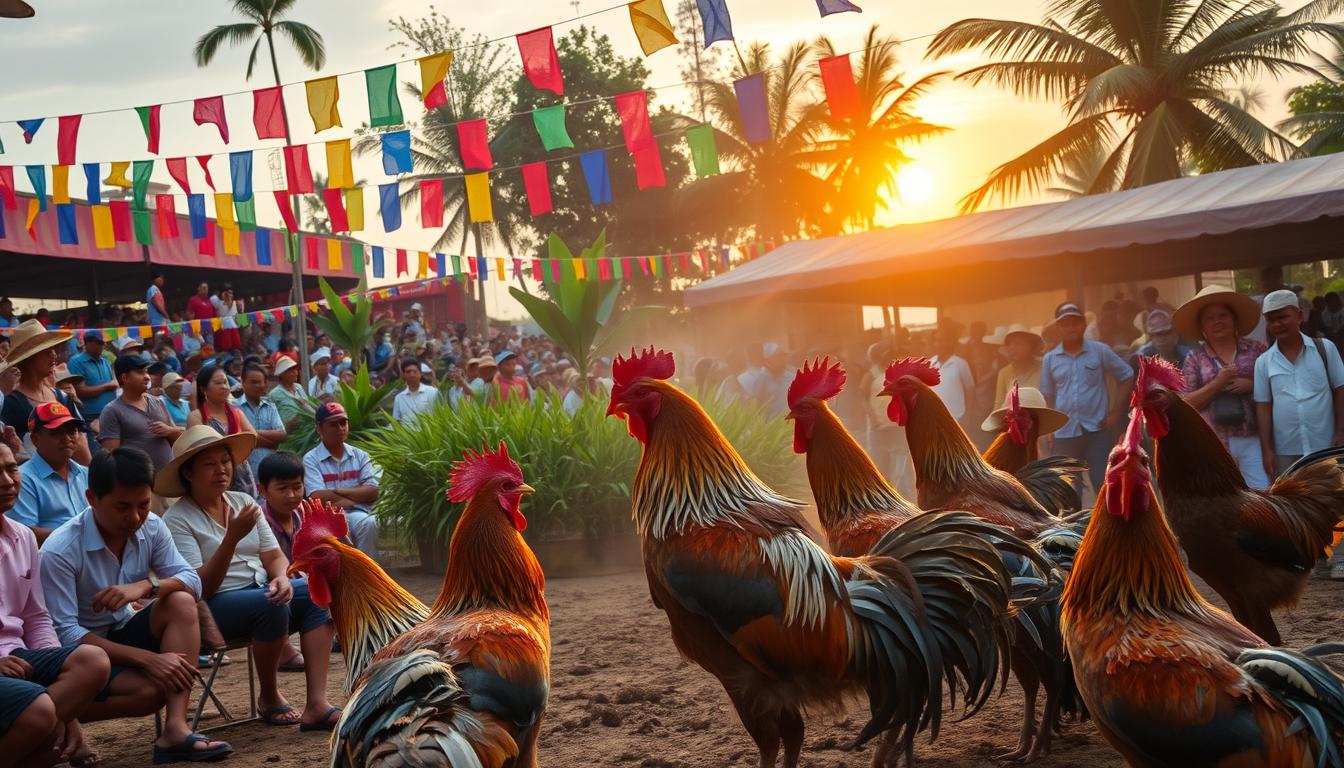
(845, 482)
(369, 609)
(490, 565)
(942, 453)
(1190, 459)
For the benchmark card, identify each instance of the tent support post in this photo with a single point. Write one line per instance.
(1077, 287)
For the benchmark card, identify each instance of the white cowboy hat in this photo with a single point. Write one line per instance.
(31, 337)
(1048, 420)
(1005, 332)
(284, 364)
(168, 482)
(1246, 310)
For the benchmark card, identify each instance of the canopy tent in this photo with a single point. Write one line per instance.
(1281, 213)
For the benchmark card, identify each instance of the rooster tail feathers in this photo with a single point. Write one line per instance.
(1052, 482)
(1332, 455)
(411, 710)
(1306, 687)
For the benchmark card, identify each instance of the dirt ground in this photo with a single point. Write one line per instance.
(621, 696)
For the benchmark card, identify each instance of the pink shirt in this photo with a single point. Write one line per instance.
(24, 622)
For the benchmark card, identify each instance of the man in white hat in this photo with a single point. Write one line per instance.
(322, 385)
(288, 395)
(414, 322)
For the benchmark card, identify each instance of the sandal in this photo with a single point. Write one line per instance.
(293, 664)
(325, 724)
(275, 715)
(86, 760)
(186, 752)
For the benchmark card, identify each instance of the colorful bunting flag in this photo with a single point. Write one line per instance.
(103, 237)
(376, 256)
(149, 121)
(34, 208)
(66, 227)
(842, 95)
(354, 208)
(240, 174)
(30, 128)
(283, 201)
(401, 263)
(335, 202)
(752, 104)
(633, 109)
(431, 203)
(224, 210)
(268, 112)
(116, 175)
(204, 162)
(121, 220)
(211, 110)
(246, 211)
(651, 25)
(397, 152)
(704, 152)
(550, 124)
(714, 18)
(196, 215)
(389, 204)
(340, 170)
(67, 137)
(298, 174)
(540, 62)
(166, 207)
(310, 256)
(440, 265)
(7, 190)
(334, 255)
(479, 205)
(827, 7)
(384, 106)
(60, 184)
(37, 179)
(324, 96)
(474, 145)
(177, 168)
(537, 183)
(232, 237)
(141, 171)
(649, 167)
(433, 69)
(595, 173)
(422, 266)
(263, 247)
(93, 188)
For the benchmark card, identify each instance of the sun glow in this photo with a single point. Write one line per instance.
(915, 184)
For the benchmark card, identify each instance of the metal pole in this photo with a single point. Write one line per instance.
(292, 242)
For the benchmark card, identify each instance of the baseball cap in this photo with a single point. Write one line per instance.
(124, 343)
(50, 416)
(133, 362)
(284, 364)
(504, 355)
(158, 368)
(770, 349)
(1068, 309)
(1158, 321)
(327, 411)
(93, 335)
(415, 307)
(170, 378)
(1279, 299)
(322, 353)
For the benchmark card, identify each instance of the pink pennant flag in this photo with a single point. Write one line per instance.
(431, 203)
(121, 220)
(298, 174)
(211, 110)
(633, 109)
(649, 167)
(644, 264)
(517, 268)
(704, 260)
(268, 112)
(67, 136)
(540, 62)
(604, 269)
(474, 142)
(335, 200)
(7, 187)
(555, 270)
(177, 168)
(536, 270)
(286, 210)
(537, 183)
(204, 161)
(166, 206)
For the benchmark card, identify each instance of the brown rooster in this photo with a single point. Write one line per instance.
(752, 599)
(468, 684)
(1255, 548)
(1169, 679)
(1022, 421)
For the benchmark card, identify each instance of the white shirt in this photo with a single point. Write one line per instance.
(955, 384)
(1303, 403)
(198, 536)
(408, 406)
(319, 388)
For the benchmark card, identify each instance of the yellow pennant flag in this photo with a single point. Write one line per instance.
(651, 25)
(224, 214)
(216, 323)
(232, 240)
(422, 268)
(479, 206)
(354, 208)
(653, 265)
(499, 269)
(334, 255)
(433, 69)
(196, 326)
(60, 184)
(116, 177)
(340, 173)
(33, 208)
(323, 96)
(580, 268)
(103, 234)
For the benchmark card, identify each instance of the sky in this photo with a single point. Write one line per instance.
(92, 55)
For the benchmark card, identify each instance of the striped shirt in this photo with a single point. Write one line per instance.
(354, 469)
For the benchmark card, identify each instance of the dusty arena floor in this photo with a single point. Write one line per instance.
(623, 697)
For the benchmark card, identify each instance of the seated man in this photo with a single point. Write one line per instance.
(101, 562)
(343, 475)
(52, 488)
(43, 687)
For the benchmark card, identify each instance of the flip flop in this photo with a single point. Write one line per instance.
(325, 724)
(87, 760)
(187, 753)
(272, 716)
(290, 665)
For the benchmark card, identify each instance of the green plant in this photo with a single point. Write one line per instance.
(364, 405)
(349, 327)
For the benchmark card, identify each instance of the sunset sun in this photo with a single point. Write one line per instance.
(914, 184)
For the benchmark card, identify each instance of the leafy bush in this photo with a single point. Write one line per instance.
(364, 404)
(581, 466)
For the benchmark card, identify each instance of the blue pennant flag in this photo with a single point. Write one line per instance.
(717, 23)
(196, 215)
(482, 271)
(65, 221)
(377, 255)
(94, 193)
(37, 176)
(240, 173)
(441, 262)
(263, 247)
(397, 153)
(30, 128)
(390, 206)
(595, 173)
(827, 7)
(752, 104)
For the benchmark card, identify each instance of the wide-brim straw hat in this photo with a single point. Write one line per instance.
(168, 482)
(63, 375)
(1001, 336)
(31, 337)
(1186, 318)
(1048, 420)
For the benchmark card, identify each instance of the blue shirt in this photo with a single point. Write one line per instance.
(155, 317)
(179, 412)
(95, 371)
(47, 500)
(1076, 384)
(264, 415)
(76, 565)
(354, 469)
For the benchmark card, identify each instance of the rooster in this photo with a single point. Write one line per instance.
(857, 506)
(468, 684)
(1015, 450)
(1169, 679)
(752, 599)
(1255, 548)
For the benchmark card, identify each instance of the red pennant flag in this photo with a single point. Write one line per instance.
(704, 260)
(166, 207)
(7, 187)
(555, 270)
(298, 174)
(536, 270)
(207, 243)
(604, 269)
(841, 93)
(431, 203)
(67, 136)
(286, 210)
(633, 109)
(335, 200)
(310, 251)
(626, 268)
(474, 143)
(685, 259)
(268, 112)
(204, 160)
(177, 168)
(540, 62)
(211, 110)
(402, 269)
(537, 182)
(121, 220)
(649, 167)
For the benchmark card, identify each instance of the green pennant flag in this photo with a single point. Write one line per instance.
(384, 106)
(457, 266)
(704, 153)
(141, 171)
(174, 328)
(242, 320)
(550, 122)
(144, 231)
(357, 255)
(246, 213)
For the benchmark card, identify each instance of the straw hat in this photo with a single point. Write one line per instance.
(1048, 420)
(284, 364)
(1003, 333)
(170, 378)
(1246, 310)
(63, 375)
(32, 337)
(167, 481)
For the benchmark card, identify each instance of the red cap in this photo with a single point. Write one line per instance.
(328, 411)
(50, 416)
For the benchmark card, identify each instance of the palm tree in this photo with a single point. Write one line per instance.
(865, 153)
(266, 17)
(1142, 82)
(1318, 109)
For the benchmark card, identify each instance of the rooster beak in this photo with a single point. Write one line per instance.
(789, 416)
(887, 391)
(526, 489)
(295, 568)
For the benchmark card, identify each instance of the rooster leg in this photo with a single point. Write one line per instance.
(791, 731)
(762, 727)
(1030, 682)
(527, 751)
(1046, 729)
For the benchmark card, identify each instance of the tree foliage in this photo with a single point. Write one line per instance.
(1318, 109)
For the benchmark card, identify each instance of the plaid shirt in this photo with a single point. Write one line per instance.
(1201, 366)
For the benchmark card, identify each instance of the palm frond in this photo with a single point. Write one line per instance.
(307, 41)
(233, 34)
(1031, 170)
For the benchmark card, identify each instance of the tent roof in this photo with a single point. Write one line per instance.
(1274, 213)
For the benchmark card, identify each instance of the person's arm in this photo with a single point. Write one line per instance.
(313, 485)
(109, 429)
(367, 490)
(272, 437)
(1264, 417)
(194, 418)
(237, 525)
(158, 303)
(38, 631)
(396, 407)
(60, 591)
(27, 507)
(1200, 397)
(1123, 375)
(278, 589)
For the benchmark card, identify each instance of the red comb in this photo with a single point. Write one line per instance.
(919, 367)
(649, 364)
(821, 380)
(1155, 371)
(476, 469)
(320, 521)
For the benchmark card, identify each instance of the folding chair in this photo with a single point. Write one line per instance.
(208, 693)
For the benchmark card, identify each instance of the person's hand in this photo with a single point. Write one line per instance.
(280, 591)
(239, 524)
(1271, 467)
(117, 596)
(161, 429)
(171, 671)
(1241, 386)
(14, 667)
(110, 386)
(1225, 377)
(11, 439)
